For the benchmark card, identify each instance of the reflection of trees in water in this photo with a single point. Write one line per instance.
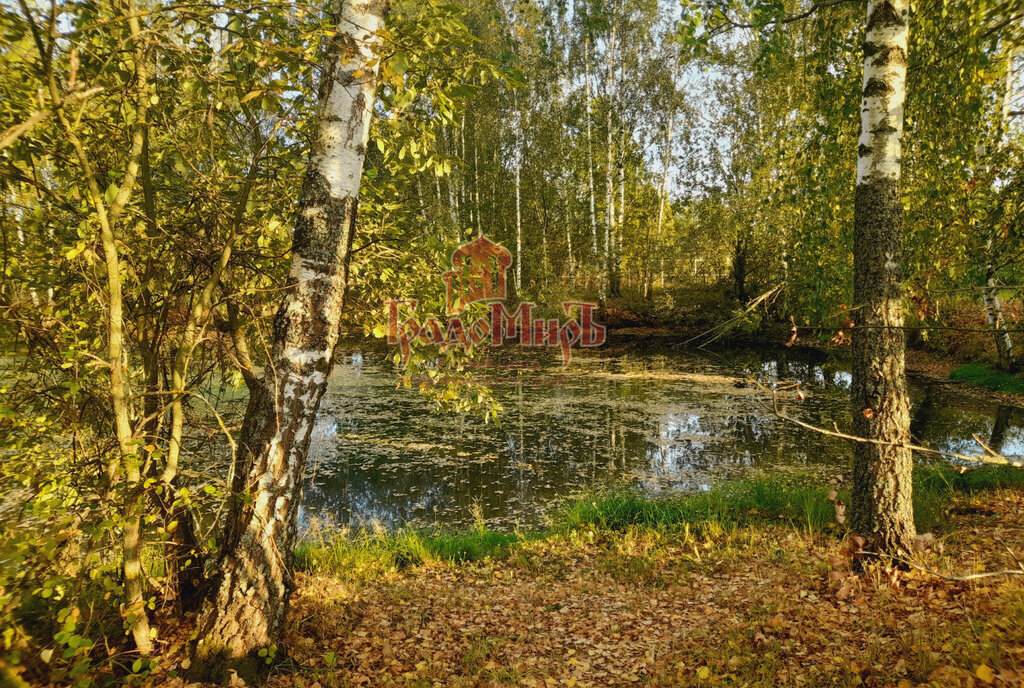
(997, 438)
(379, 454)
(945, 421)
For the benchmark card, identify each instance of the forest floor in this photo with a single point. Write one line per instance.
(763, 604)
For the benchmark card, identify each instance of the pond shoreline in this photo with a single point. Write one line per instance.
(922, 365)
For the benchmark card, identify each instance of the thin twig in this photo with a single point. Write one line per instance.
(991, 456)
(719, 330)
(968, 577)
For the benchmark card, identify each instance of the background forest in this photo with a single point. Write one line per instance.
(689, 166)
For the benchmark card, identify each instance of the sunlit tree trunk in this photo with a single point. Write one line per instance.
(881, 507)
(569, 224)
(248, 604)
(994, 313)
(126, 458)
(463, 200)
(990, 289)
(519, 203)
(609, 192)
(453, 196)
(663, 187)
(562, 189)
(620, 223)
(476, 176)
(590, 146)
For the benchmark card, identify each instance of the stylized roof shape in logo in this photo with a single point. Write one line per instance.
(477, 274)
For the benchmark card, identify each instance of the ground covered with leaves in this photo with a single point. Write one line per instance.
(752, 605)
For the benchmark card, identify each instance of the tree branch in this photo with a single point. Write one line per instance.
(925, 569)
(990, 457)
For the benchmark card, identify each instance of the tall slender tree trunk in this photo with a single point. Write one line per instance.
(519, 203)
(519, 234)
(620, 223)
(562, 190)
(126, 458)
(881, 508)
(248, 605)
(453, 197)
(609, 190)
(666, 160)
(463, 195)
(476, 176)
(590, 145)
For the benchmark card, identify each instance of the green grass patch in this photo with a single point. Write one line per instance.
(981, 375)
(372, 552)
(793, 501)
(935, 486)
(733, 503)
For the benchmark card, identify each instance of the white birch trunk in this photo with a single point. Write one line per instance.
(881, 508)
(453, 196)
(476, 178)
(568, 236)
(463, 201)
(621, 222)
(590, 146)
(994, 313)
(663, 187)
(990, 291)
(609, 196)
(519, 235)
(519, 207)
(248, 605)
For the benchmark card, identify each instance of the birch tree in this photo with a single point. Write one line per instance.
(248, 604)
(590, 144)
(882, 509)
(609, 184)
(666, 161)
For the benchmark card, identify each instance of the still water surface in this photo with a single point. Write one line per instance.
(662, 419)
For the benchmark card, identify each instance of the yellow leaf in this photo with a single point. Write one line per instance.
(357, 73)
(249, 96)
(703, 673)
(904, 683)
(985, 673)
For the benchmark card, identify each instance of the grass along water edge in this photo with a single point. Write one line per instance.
(753, 503)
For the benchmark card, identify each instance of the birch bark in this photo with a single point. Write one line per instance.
(666, 160)
(994, 313)
(881, 503)
(248, 604)
(609, 210)
(519, 205)
(590, 144)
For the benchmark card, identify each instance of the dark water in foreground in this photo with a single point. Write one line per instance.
(662, 419)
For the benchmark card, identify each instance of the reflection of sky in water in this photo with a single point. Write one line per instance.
(675, 421)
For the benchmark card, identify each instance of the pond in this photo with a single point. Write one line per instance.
(659, 418)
